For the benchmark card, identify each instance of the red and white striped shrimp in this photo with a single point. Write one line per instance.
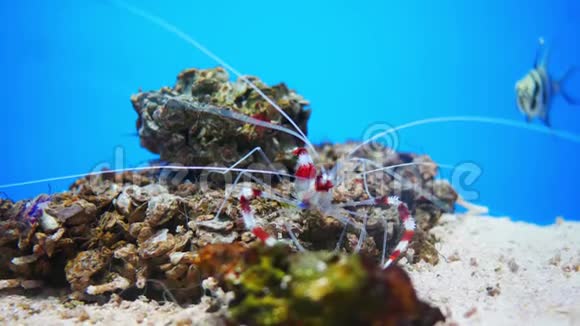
(313, 185)
(313, 190)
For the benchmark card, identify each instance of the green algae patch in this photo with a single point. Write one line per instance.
(322, 288)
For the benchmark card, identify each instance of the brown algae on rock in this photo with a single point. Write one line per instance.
(184, 125)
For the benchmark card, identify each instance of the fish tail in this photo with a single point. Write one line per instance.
(560, 86)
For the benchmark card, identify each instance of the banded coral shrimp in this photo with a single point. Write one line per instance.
(485, 120)
(310, 180)
(311, 187)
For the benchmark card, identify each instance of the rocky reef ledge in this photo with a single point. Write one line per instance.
(159, 242)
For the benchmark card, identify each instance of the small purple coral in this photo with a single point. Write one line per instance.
(34, 209)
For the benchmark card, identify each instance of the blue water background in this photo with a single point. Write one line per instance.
(69, 67)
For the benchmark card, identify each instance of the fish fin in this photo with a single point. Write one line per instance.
(542, 54)
(559, 86)
(528, 119)
(569, 99)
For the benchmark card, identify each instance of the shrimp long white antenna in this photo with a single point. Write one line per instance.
(162, 23)
(384, 168)
(142, 168)
(175, 101)
(478, 119)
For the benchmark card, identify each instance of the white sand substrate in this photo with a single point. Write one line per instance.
(500, 272)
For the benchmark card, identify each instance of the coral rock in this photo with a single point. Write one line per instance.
(178, 123)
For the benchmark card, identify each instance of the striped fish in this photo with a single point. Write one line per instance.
(535, 92)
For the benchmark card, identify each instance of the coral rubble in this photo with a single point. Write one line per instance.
(117, 233)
